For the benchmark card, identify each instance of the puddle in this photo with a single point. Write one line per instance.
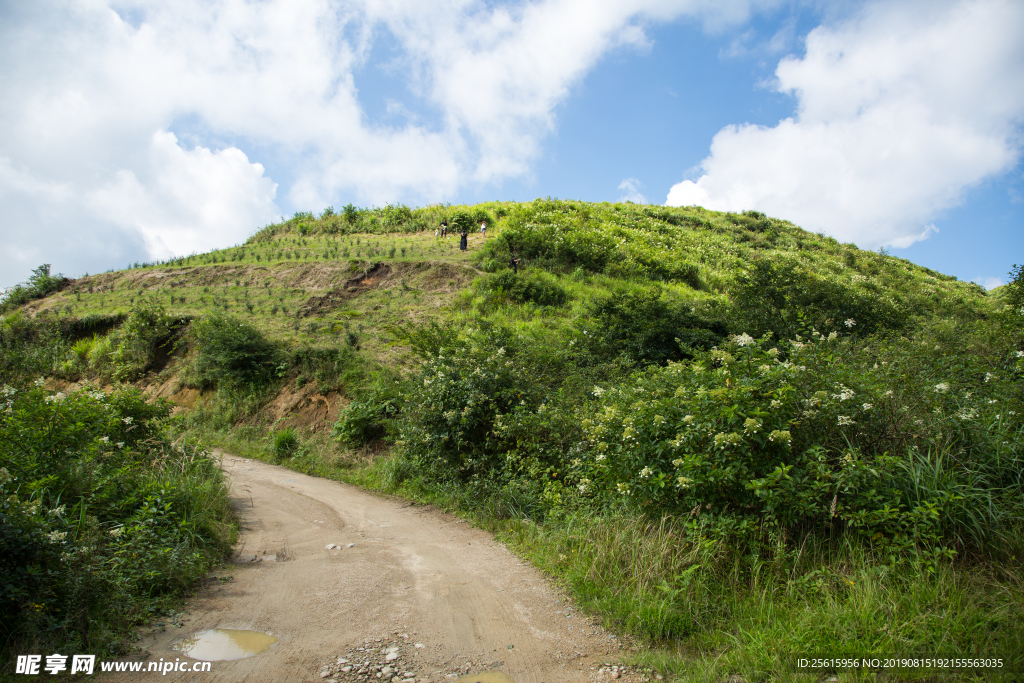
(224, 644)
(487, 677)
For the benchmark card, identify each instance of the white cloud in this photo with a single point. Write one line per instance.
(189, 200)
(900, 109)
(632, 187)
(989, 282)
(92, 115)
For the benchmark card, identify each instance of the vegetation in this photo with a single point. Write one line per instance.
(39, 284)
(104, 521)
(733, 439)
(232, 352)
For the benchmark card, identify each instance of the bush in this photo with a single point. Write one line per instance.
(642, 327)
(133, 347)
(286, 443)
(462, 221)
(234, 353)
(39, 285)
(102, 518)
(488, 409)
(331, 368)
(367, 418)
(538, 288)
(28, 348)
(784, 300)
(886, 441)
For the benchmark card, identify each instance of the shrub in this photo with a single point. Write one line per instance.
(884, 440)
(39, 285)
(367, 418)
(286, 443)
(784, 300)
(489, 408)
(643, 327)
(539, 288)
(462, 221)
(332, 368)
(102, 517)
(231, 352)
(361, 422)
(134, 345)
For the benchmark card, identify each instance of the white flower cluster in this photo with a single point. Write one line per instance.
(844, 393)
(743, 339)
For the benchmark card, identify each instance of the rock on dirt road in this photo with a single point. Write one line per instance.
(400, 592)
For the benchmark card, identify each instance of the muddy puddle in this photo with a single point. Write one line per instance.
(487, 677)
(225, 644)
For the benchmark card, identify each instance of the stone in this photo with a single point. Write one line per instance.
(391, 656)
(420, 646)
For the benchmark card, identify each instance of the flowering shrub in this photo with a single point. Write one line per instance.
(820, 439)
(485, 409)
(100, 515)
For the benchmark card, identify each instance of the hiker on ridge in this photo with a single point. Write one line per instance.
(463, 239)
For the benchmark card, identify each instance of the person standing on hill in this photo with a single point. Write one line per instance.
(463, 240)
(515, 264)
(483, 229)
(444, 227)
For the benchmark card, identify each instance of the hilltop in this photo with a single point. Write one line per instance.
(371, 263)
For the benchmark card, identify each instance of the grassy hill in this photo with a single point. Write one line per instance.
(306, 280)
(737, 440)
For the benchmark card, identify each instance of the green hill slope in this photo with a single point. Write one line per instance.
(757, 272)
(729, 436)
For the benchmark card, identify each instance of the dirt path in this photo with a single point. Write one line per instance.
(445, 597)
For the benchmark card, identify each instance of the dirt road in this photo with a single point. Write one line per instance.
(442, 597)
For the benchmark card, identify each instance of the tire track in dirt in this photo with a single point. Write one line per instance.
(412, 571)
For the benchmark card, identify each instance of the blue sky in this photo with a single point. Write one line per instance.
(152, 129)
